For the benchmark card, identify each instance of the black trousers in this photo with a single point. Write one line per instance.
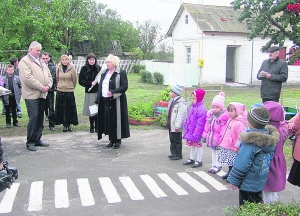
(11, 107)
(49, 108)
(35, 110)
(267, 99)
(176, 143)
(253, 197)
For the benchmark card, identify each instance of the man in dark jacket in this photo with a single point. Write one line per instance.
(49, 103)
(272, 73)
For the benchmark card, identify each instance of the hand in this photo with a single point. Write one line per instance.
(263, 73)
(268, 75)
(233, 187)
(177, 130)
(109, 94)
(1, 166)
(45, 89)
(94, 83)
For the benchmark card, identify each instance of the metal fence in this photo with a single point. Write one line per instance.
(124, 64)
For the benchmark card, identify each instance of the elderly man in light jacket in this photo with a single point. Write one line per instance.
(36, 81)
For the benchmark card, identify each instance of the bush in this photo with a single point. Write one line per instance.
(165, 94)
(146, 76)
(158, 78)
(275, 209)
(139, 110)
(136, 68)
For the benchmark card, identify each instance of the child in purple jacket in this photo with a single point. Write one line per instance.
(215, 121)
(194, 126)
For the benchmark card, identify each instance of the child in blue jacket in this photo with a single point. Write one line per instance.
(251, 166)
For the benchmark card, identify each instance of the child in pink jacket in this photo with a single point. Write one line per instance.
(229, 143)
(215, 121)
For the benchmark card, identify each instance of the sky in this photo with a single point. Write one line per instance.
(160, 11)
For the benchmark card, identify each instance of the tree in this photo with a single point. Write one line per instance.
(277, 19)
(150, 36)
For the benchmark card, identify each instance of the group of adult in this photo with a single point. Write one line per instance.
(40, 78)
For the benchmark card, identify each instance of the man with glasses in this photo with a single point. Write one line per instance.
(49, 103)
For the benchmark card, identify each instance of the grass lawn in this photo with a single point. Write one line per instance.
(149, 92)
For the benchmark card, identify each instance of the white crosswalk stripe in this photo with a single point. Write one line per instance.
(8, 199)
(61, 195)
(36, 196)
(130, 187)
(85, 192)
(109, 190)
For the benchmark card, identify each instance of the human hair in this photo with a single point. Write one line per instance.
(89, 56)
(34, 44)
(9, 66)
(12, 61)
(230, 107)
(66, 57)
(46, 54)
(113, 59)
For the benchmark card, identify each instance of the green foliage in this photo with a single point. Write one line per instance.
(158, 78)
(162, 118)
(146, 76)
(276, 209)
(139, 110)
(165, 94)
(136, 68)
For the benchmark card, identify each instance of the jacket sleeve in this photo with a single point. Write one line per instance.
(283, 74)
(82, 78)
(123, 83)
(241, 166)
(27, 77)
(294, 124)
(200, 125)
(74, 77)
(50, 83)
(181, 115)
(207, 124)
(260, 69)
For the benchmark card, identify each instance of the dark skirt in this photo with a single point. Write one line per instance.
(65, 109)
(294, 176)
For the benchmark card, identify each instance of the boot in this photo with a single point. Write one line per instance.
(92, 128)
(227, 174)
(117, 144)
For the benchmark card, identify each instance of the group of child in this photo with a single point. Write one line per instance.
(12, 82)
(249, 143)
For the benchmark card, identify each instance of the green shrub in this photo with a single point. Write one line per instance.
(275, 209)
(158, 78)
(139, 110)
(146, 76)
(136, 68)
(165, 94)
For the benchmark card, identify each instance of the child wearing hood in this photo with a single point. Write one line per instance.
(229, 141)
(216, 119)
(277, 174)
(251, 166)
(194, 126)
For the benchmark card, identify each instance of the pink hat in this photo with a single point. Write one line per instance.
(219, 100)
(199, 93)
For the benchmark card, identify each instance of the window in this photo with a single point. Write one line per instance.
(188, 55)
(186, 19)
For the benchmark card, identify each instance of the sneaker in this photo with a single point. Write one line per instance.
(211, 170)
(215, 169)
(20, 115)
(197, 164)
(225, 176)
(8, 125)
(188, 162)
(17, 125)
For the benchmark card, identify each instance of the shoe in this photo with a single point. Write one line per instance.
(31, 148)
(197, 164)
(110, 144)
(52, 128)
(65, 129)
(215, 169)
(92, 130)
(117, 144)
(188, 162)
(70, 128)
(41, 144)
(20, 115)
(225, 176)
(170, 156)
(8, 125)
(176, 158)
(46, 118)
(17, 125)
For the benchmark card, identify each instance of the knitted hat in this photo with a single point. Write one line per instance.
(199, 93)
(258, 117)
(177, 89)
(219, 100)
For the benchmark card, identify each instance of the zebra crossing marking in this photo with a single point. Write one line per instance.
(193, 182)
(172, 184)
(36, 196)
(131, 189)
(153, 186)
(109, 190)
(212, 181)
(85, 192)
(8, 199)
(61, 193)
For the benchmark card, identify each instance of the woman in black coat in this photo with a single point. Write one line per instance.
(87, 78)
(112, 103)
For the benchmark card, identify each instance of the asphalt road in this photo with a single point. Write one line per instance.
(78, 175)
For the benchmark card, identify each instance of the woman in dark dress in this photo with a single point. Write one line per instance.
(87, 77)
(112, 103)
